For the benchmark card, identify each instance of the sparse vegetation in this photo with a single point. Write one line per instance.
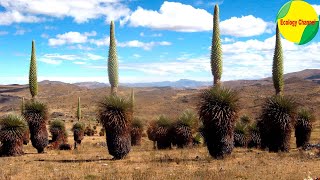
(303, 127)
(12, 130)
(36, 114)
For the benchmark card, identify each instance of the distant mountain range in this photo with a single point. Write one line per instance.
(308, 74)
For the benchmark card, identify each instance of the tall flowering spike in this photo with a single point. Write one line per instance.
(79, 110)
(277, 67)
(33, 82)
(216, 50)
(113, 62)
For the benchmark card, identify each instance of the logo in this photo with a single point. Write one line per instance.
(298, 21)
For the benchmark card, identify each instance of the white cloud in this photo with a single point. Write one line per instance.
(143, 45)
(71, 38)
(20, 32)
(94, 57)
(251, 59)
(227, 40)
(152, 35)
(57, 58)
(100, 42)
(245, 26)
(81, 47)
(80, 10)
(50, 61)
(185, 18)
(13, 16)
(2, 33)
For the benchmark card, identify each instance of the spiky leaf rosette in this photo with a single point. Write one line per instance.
(218, 109)
(162, 132)
(36, 114)
(136, 131)
(78, 132)
(216, 50)
(12, 129)
(59, 134)
(190, 119)
(78, 125)
(113, 73)
(137, 123)
(33, 82)
(303, 127)
(277, 67)
(277, 118)
(114, 114)
(181, 135)
(254, 139)
(240, 135)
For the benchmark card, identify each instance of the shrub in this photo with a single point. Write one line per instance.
(115, 115)
(254, 139)
(36, 114)
(136, 132)
(303, 127)
(58, 132)
(162, 132)
(277, 118)
(78, 133)
(184, 128)
(218, 110)
(12, 130)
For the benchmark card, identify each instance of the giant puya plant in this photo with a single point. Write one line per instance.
(115, 112)
(12, 130)
(35, 112)
(78, 127)
(218, 106)
(278, 112)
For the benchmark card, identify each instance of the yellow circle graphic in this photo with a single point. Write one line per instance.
(298, 21)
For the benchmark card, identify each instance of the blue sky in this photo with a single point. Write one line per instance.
(156, 40)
